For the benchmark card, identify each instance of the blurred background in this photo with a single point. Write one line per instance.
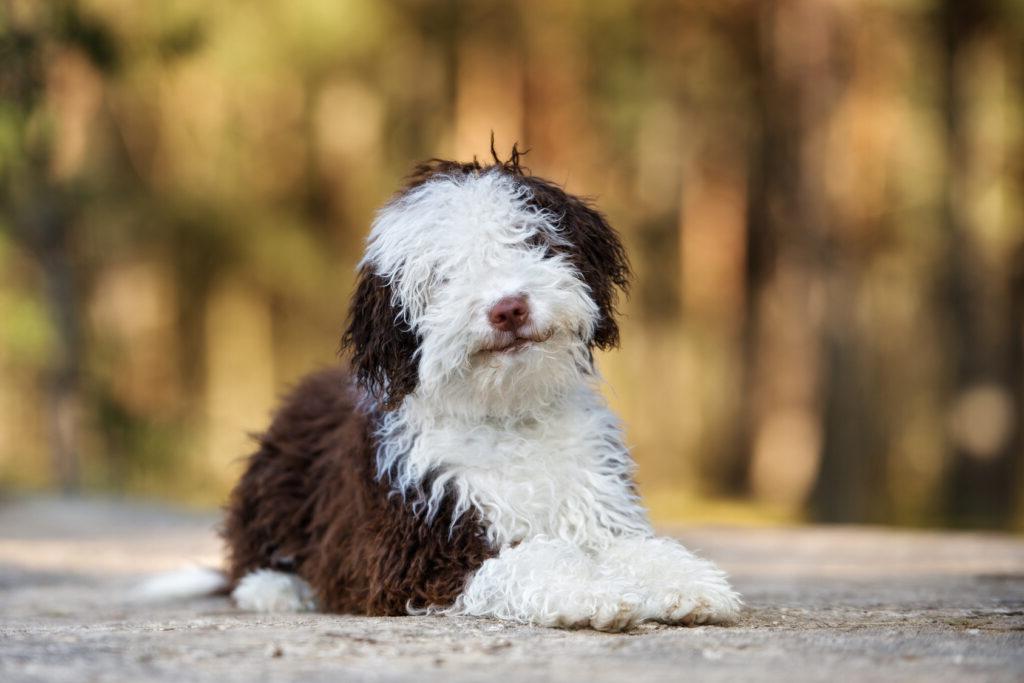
(822, 200)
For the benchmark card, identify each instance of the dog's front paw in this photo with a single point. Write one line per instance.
(617, 614)
(707, 602)
(602, 613)
(678, 587)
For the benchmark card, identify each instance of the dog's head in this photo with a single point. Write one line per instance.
(483, 289)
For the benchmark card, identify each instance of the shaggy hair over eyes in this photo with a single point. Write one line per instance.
(381, 343)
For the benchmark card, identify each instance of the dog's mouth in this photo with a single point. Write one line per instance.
(511, 344)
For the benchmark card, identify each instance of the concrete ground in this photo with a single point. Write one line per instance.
(834, 604)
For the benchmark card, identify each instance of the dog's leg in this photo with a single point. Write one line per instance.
(676, 586)
(266, 590)
(551, 582)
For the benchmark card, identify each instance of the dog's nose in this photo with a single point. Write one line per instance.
(509, 314)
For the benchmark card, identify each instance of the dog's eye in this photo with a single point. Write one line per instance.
(548, 251)
(542, 245)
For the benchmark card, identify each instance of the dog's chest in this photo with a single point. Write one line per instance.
(566, 477)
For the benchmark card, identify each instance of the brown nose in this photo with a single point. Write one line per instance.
(509, 314)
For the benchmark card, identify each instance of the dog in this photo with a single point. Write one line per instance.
(465, 463)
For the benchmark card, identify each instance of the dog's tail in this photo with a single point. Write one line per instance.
(182, 584)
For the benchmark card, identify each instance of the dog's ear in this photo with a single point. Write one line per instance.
(380, 341)
(594, 248)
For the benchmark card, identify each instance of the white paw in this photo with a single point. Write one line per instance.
(678, 587)
(604, 613)
(706, 603)
(266, 590)
(617, 614)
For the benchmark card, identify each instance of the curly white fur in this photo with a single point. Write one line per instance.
(554, 582)
(524, 439)
(452, 248)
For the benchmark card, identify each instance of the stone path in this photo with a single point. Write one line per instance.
(824, 604)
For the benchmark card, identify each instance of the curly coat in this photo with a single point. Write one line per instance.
(312, 502)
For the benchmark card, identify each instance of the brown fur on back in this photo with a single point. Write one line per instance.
(310, 503)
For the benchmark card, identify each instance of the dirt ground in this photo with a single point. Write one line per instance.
(833, 604)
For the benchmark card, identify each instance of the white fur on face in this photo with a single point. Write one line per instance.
(451, 248)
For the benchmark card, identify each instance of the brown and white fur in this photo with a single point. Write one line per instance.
(467, 463)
